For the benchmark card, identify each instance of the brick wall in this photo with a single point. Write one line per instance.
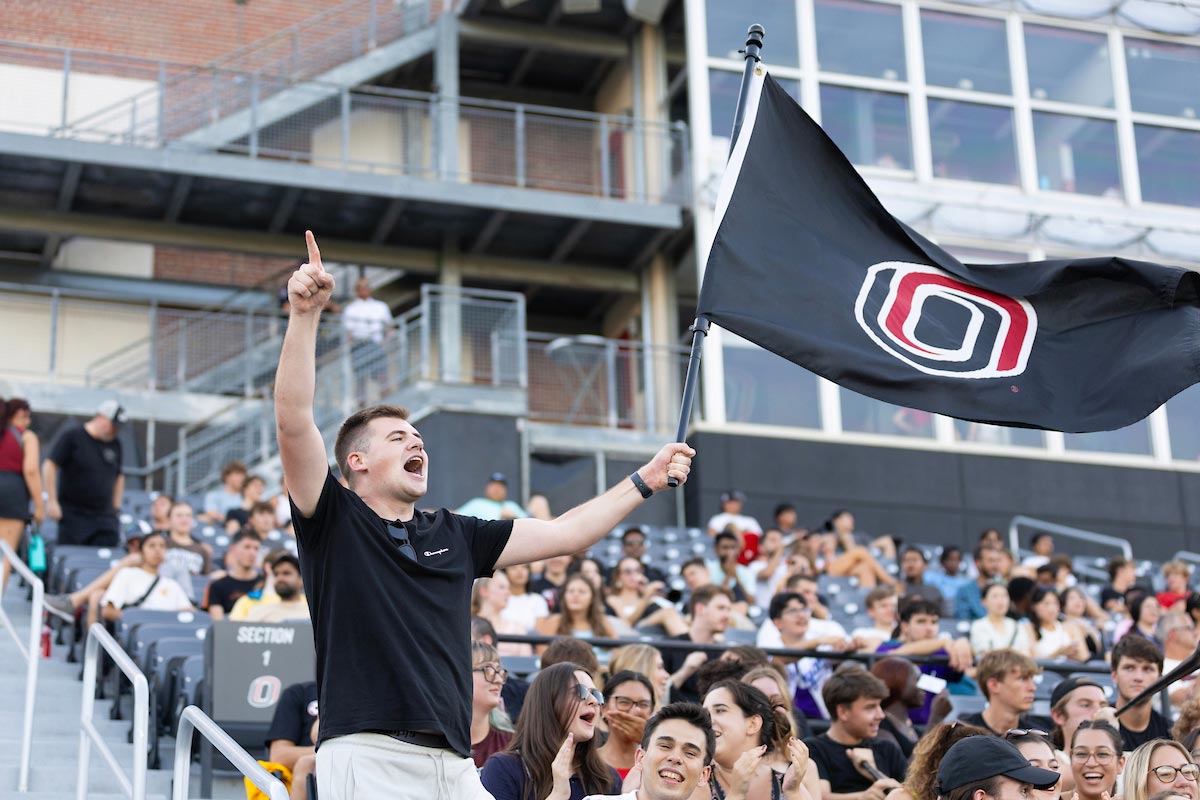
(183, 31)
(225, 269)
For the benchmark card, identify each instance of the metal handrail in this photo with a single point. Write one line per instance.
(193, 719)
(29, 653)
(1065, 531)
(135, 788)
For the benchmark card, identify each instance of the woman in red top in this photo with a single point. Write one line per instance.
(19, 476)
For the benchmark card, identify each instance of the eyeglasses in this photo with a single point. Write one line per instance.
(399, 535)
(794, 610)
(627, 703)
(1167, 773)
(583, 693)
(1102, 756)
(1017, 733)
(492, 674)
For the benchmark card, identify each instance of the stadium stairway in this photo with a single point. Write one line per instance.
(55, 759)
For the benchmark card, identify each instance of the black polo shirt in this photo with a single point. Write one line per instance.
(393, 635)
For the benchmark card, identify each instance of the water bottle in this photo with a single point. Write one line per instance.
(37, 552)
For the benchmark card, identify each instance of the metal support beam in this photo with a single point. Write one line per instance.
(524, 36)
(490, 229)
(567, 243)
(391, 215)
(179, 193)
(283, 211)
(66, 190)
(594, 80)
(522, 67)
(654, 244)
(514, 270)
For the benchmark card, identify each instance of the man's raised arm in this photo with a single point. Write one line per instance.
(301, 448)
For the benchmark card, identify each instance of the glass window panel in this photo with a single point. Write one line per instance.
(870, 127)
(867, 415)
(764, 388)
(860, 38)
(1169, 163)
(1183, 419)
(1076, 154)
(982, 433)
(1163, 77)
(972, 142)
(723, 89)
(1068, 65)
(964, 52)
(727, 21)
(1133, 440)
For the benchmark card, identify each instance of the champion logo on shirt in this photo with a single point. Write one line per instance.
(436, 552)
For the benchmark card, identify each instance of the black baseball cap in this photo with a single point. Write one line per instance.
(498, 477)
(978, 758)
(1064, 688)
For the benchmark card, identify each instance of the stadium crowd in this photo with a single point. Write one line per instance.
(899, 660)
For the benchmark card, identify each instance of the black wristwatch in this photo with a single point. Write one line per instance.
(645, 490)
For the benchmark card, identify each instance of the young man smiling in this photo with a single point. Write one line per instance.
(675, 756)
(389, 587)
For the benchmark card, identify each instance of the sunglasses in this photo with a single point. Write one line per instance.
(399, 535)
(583, 693)
(1017, 733)
(1167, 773)
(492, 674)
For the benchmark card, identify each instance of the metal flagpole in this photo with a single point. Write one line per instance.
(699, 327)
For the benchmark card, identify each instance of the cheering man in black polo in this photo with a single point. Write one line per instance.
(390, 587)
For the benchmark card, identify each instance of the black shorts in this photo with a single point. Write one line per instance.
(89, 528)
(14, 496)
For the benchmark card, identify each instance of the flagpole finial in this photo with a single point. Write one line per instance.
(754, 41)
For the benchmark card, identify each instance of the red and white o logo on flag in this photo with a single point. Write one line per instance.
(939, 325)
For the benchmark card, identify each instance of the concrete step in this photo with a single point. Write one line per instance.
(60, 775)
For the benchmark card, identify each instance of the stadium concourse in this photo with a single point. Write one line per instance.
(741, 594)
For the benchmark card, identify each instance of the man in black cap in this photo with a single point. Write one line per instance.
(83, 479)
(1071, 702)
(495, 503)
(981, 767)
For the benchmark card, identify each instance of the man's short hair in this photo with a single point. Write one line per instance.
(233, 467)
(1047, 570)
(782, 507)
(1037, 537)
(917, 550)
(990, 787)
(692, 562)
(1137, 647)
(984, 548)
(177, 503)
(793, 580)
(919, 605)
(631, 531)
(947, 552)
(577, 651)
(779, 603)
(242, 536)
(1117, 564)
(286, 558)
(351, 436)
(703, 595)
(690, 713)
(877, 594)
(999, 663)
(722, 536)
(845, 686)
(261, 508)
(482, 630)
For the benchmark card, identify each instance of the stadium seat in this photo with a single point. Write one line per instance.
(963, 704)
(521, 666)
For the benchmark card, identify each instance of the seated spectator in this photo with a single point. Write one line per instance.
(260, 521)
(744, 723)
(1077, 610)
(949, 577)
(241, 579)
(591, 569)
(549, 584)
(726, 570)
(675, 756)
(1006, 679)
(1178, 575)
(829, 557)
(882, 607)
(142, 586)
(289, 602)
(628, 703)
(806, 676)
(1144, 614)
(900, 677)
(1136, 663)
(633, 545)
(744, 527)
(524, 608)
(768, 567)
(646, 660)
(854, 698)
(695, 574)
(160, 512)
(253, 489)
(919, 636)
(991, 767)
(1178, 635)
(262, 592)
(1038, 751)
(1042, 545)
(1122, 575)
(490, 729)
(968, 602)
(220, 502)
(913, 567)
(582, 614)
(771, 680)
(1186, 729)
(563, 709)
(291, 739)
(1020, 598)
(841, 523)
(733, 663)
(921, 777)
(1072, 701)
(1159, 766)
(1096, 759)
(489, 596)
(66, 606)
(998, 630)
(183, 552)
(512, 694)
(820, 624)
(495, 503)
(712, 607)
(1052, 638)
(569, 649)
(636, 601)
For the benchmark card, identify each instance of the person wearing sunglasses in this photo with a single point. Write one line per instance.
(390, 586)
(491, 729)
(554, 753)
(1159, 766)
(1097, 759)
(1035, 746)
(629, 702)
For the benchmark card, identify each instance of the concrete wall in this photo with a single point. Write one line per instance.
(464, 449)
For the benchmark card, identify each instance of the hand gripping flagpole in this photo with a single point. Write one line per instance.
(699, 327)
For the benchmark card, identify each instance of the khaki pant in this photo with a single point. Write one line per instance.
(368, 766)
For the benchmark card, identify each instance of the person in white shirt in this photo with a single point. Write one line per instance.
(819, 624)
(1177, 632)
(675, 756)
(142, 586)
(495, 503)
(367, 322)
(731, 518)
(882, 607)
(289, 589)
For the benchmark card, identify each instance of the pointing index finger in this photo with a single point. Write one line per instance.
(314, 253)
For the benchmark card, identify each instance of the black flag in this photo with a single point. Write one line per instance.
(808, 264)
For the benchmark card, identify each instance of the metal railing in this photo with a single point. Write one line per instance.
(134, 787)
(1067, 532)
(193, 719)
(29, 652)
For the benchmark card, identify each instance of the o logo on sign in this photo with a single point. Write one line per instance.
(939, 325)
(264, 691)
